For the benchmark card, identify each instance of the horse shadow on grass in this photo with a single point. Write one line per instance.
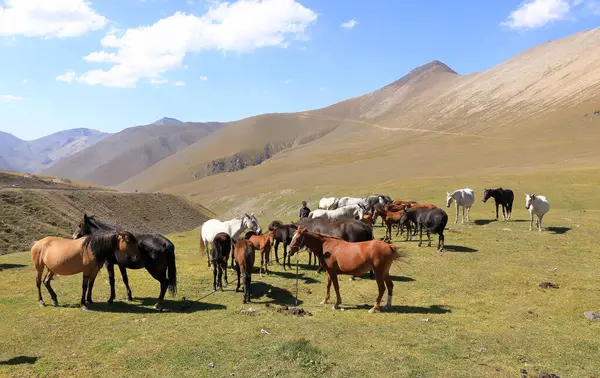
(433, 309)
(20, 360)
(11, 266)
(137, 306)
(559, 230)
(484, 222)
(459, 248)
(290, 275)
(274, 294)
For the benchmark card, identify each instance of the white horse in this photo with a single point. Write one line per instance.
(341, 213)
(328, 203)
(537, 205)
(367, 202)
(462, 197)
(233, 228)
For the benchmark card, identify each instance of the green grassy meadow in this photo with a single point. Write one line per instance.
(475, 310)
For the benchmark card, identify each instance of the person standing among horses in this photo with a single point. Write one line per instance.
(304, 210)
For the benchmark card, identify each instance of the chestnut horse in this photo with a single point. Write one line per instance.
(392, 218)
(341, 257)
(65, 257)
(244, 255)
(262, 243)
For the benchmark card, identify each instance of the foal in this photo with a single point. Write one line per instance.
(355, 259)
(263, 244)
(244, 254)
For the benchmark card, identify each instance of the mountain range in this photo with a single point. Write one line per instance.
(537, 110)
(36, 155)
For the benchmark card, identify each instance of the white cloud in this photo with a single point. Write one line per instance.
(243, 26)
(9, 98)
(537, 13)
(179, 83)
(49, 18)
(203, 78)
(67, 77)
(25, 81)
(158, 81)
(349, 24)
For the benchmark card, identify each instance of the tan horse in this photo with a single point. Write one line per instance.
(341, 257)
(65, 257)
(263, 244)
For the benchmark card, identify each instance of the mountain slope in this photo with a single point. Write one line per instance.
(36, 155)
(129, 152)
(532, 112)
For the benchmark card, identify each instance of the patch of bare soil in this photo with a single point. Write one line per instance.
(286, 310)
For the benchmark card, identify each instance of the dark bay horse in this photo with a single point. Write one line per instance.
(222, 245)
(244, 255)
(341, 257)
(504, 197)
(65, 257)
(432, 220)
(157, 256)
(283, 233)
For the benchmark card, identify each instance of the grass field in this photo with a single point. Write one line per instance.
(475, 310)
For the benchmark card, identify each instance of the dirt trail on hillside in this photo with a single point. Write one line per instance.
(308, 115)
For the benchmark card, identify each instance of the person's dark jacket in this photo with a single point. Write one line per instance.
(304, 211)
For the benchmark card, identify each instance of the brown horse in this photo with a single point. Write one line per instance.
(367, 219)
(244, 254)
(263, 244)
(85, 255)
(355, 259)
(392, 218)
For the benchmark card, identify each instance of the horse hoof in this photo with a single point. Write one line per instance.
(323, 302)
(42, 304)
(335, 307)
(130, 298)
(84, 308)
(54, 303)
(374, 310)
(158, 307)
(110, 301)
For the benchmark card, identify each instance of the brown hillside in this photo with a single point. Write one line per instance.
(125, 154)
(31, 214)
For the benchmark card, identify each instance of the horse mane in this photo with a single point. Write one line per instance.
(102, 244)
(249, 234)
(99, 224)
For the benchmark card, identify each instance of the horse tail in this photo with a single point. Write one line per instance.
(397, 255)
(172, 269)
(202, 246)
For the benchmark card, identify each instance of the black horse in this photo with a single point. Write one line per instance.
(432, 220)
(158, 257)
(350, 230)
(504, 197)
(222, 245)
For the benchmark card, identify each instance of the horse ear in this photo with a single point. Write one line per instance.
(246, 214)
(85, 216)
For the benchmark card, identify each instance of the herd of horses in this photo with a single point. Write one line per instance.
(338, 236)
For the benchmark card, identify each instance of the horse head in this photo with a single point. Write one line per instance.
(529, 199)
(486, 194)
(251, 222)
(127, 247)
(83, 228)
(362, 209)
(297, 240)
(448, 199)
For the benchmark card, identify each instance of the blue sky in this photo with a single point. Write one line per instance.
(112, 64)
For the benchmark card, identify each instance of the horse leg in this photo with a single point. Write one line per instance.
(110, 268)
(327, 289)
(469, 214)
(38, 283)
(47, 281)
(456, 206)
(276, 248)
(237, 270)
(84, 287)
(497, 210)
(540, 222)
(336, 286)
(420, 234)
(208, 253)
(215, 268)
(390, 288)
(428, 239)
(463, 215)
(531, 222)
(90, 288)
(381, 286)
(126, 282)
(222, 267)
(441, 242)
